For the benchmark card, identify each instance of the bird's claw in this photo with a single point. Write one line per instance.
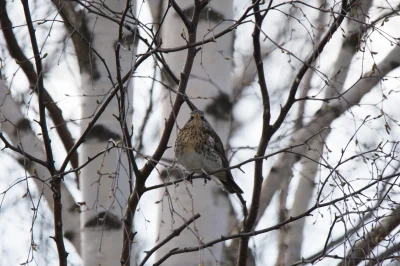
(205, 177)
(190, 178)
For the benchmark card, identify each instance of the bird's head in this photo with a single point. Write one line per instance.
(197, 115)
(197, 119)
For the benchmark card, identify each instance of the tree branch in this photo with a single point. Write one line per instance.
(162, 146)
(280, 172)
(57, 208)
(385, 255)
(316, 206)
(296, 82)
(372, 239)
(16, 52)
(174, 233)
(249, 221)
(8, 145)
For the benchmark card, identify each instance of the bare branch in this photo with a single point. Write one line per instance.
(162, 146)
(182, 15)
(174, 233)
(363, 247)
(17, 128)
(316, 206)
(249, 221)
(99, 112)
(57, 208)
(280, 172)
(296, 82)
(8, 145)
(54, 111)
(387, 254)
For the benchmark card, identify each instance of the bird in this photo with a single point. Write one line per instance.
(198, 148)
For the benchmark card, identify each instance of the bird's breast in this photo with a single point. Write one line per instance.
(194, 161)
(189, 147)
(191, 139)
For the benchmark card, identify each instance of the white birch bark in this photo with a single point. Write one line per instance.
(349, 47)
(209, 200)
(327, 115)
(19, 132)
(105, 181)
(293, 236)
(280, 173)
(363, 248)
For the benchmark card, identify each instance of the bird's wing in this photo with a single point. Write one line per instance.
(219, 148)
(227, 179)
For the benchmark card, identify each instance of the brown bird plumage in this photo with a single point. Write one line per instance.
(198, 148)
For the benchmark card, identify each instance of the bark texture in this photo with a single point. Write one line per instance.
(209, 79)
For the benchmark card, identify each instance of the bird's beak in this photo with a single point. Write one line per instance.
(197, 116)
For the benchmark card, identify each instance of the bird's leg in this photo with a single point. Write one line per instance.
(190, 177)
(205, 176)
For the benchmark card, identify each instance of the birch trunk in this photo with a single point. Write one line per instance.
(105, 181)
(211, 83)
(293, 235)
(20, 134)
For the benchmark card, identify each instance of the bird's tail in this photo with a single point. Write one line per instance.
(236, 188)
(230, 184)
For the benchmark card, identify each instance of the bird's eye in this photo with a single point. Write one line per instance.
(202, 117)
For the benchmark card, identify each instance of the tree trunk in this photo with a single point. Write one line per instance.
(293, 236)
(20, 134)
(105, 181)
(211, 83)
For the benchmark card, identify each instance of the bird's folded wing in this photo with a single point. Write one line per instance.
(219, 148)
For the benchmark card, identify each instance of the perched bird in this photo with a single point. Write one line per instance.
(199, 148)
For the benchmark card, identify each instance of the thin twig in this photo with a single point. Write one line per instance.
(8, 145)
(249, 221)
(17, 53)
(307, 213)
(57, 208)
(140, 181)
(174, 233)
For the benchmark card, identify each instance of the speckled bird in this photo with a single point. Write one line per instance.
(199, 148)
